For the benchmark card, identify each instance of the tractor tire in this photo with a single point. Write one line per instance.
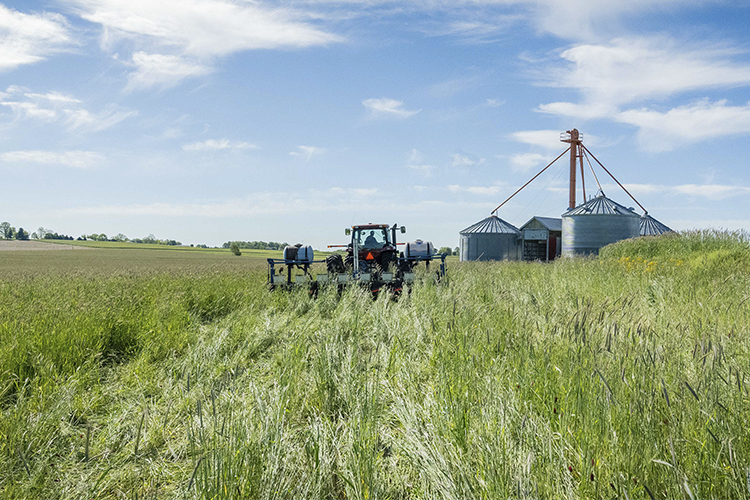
(405, 266)
(386, 262)
(364, 266)
(335, 264)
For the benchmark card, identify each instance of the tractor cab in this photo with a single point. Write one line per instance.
(375, 244)
(370, 238)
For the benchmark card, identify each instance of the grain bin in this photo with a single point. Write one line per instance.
(596, 223)
(490, 239)
(652, 227)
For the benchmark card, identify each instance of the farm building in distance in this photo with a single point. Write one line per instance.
(541, 238)
(582, 230)
(652, 227)
(596, 223)
(490, 239)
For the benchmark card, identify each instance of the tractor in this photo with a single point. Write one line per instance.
(376, 250)
(372, 259)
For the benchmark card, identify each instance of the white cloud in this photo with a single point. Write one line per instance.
(612, 77)
(549, 139)
(57, 107)
(307, 152)
(494, 103)
(699, 121)
(217, 145)
(425, 169)
(629, 70)
(455, 86)
(415, 156)
(464, 160)
(475, 31)
(175, 39)
(203, 28)
(55, 97)
(172, 133)
(476, 190)
(76, 159)
(729, 224)
(159, 70)
(415, 162)
(333, 199)
(484, 190)
(29, 38)
(82, 119)
(388, 107)
(590, 18)
(579, 111)
(526, 161)
(31, 110)
(710, 191)
(486, 20)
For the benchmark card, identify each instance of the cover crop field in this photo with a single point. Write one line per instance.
(130, 373)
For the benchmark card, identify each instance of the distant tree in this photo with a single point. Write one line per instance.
(6, 231)
(456, 251)
(445, 250)
(121, 237)
(256, 245)
(21, 234)
(55, 236)
(235, 248)
(34, 236)
(41, 232)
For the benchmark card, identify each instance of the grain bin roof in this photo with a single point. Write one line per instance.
(492, 224)
(652, 227)
(601, 205)
(550, 223)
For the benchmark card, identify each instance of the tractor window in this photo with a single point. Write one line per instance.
(371, 238)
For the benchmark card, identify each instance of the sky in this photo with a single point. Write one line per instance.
(207, 121)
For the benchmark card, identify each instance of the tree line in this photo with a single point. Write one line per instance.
(256, 245)
(8, 232)
(448, 251)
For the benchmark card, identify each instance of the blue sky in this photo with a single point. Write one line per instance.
(214, 120)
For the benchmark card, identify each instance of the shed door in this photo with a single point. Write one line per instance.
(552, 247)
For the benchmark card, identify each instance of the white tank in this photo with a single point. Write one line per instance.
(305, 253)
(419, 248)
(290, 251)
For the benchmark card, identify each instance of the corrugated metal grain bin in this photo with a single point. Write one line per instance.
(491, 239)
(652, 227)
(596, 223)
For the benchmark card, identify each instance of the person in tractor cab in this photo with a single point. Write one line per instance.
(371, 241)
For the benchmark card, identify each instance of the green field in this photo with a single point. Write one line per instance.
(127, 245)
(174, 373)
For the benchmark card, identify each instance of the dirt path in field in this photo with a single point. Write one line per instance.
(11, 245)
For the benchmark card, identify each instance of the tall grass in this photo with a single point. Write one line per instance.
(624, 376)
